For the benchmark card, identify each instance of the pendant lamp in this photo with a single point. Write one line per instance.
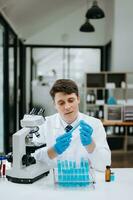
(87, 27)
(95, 12)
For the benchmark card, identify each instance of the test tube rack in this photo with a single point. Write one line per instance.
(72, 174)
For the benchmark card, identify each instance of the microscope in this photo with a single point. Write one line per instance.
(24, 167)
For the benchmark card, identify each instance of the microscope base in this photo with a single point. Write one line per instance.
(26, 180)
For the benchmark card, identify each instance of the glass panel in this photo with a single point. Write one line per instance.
(83, 61)
(49, 65)
(11, 84)
(1, 90)
(55, 63)
(11, 90)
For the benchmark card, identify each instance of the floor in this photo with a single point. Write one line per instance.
(122, 160)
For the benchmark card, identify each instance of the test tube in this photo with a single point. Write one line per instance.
(74, 164)
(70, 164)
(2, 166)
(66, 164)
(74, 128)
(82, 163)
(4, 170)
(59, 166)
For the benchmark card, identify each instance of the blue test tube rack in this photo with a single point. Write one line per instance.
(71, 174)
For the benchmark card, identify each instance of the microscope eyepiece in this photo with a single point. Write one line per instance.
(37, 134)
(41, 111)
(35, 111)
(32, 112)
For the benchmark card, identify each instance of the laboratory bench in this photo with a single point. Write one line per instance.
(121, 188)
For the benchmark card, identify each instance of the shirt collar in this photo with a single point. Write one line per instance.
(64, 124)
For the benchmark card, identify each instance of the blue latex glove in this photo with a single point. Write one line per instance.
(85, 133)
(62, 142)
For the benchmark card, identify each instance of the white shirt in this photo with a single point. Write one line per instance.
(54, 127)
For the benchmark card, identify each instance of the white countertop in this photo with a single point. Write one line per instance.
(121, 188)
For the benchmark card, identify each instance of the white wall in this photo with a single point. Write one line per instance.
(109, 11)
(122, 55)
(66, 30)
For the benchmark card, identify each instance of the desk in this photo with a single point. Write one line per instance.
(121, 188)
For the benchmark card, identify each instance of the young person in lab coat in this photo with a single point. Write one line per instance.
(87, 141)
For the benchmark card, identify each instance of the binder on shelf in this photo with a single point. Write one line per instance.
(128, 113)
(113, 112)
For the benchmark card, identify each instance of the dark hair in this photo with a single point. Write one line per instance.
(66, 86)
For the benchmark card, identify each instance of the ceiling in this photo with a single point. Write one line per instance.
(30, 17)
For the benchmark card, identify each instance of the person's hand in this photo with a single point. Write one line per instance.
(62, 142)
(85, 133)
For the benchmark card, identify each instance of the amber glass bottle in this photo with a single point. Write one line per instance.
(107, 174)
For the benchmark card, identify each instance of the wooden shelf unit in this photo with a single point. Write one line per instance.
(98, 88)
(107, 123)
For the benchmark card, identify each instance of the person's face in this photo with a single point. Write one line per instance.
(67, 106)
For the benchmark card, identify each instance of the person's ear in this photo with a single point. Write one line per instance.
(78, 99)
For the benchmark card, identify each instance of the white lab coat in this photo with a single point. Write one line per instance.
(53, 128)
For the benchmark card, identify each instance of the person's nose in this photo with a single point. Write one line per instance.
(67, 106)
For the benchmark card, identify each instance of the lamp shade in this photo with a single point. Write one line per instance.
(95, 12)
(87, 27)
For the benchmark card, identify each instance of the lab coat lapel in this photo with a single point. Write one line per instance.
(57, 128)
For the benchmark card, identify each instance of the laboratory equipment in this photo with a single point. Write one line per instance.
(2, 165)
(112, 176)
(73, 174)
(107, 174)
(75, 127)
(24, 168)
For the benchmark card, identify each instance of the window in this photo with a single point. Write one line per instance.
(50, 64)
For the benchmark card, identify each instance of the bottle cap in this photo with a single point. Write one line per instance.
(3, 158)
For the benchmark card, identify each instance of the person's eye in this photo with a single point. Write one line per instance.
(71, 100)
(61, 103)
